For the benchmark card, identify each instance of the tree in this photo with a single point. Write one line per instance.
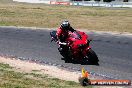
(125, 0)
(97, 0)
(107, 0)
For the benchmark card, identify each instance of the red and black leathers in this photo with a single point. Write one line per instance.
(63, 34)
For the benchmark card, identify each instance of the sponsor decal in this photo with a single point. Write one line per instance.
(59, 3)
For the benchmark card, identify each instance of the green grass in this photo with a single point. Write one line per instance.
(9, 78)
(5, 66)
(50, 16)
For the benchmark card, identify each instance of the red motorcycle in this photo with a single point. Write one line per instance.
(76, 47)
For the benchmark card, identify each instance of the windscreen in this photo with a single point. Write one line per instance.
(75, 35)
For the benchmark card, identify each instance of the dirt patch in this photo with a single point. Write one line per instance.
(51, 71)
(26, 66)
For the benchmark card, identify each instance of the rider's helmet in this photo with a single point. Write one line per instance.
(65, 25)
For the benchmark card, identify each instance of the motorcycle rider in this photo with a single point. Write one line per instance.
(62, 34)
(62, 31)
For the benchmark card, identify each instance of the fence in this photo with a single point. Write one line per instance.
(103, 4)
(81, 3)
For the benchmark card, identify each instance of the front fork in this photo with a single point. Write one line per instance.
(65, 50)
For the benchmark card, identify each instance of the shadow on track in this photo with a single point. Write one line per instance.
(67, 60)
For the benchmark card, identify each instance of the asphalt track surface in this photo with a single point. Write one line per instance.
(114, 51)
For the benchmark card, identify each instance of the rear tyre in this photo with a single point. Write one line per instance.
(92, 57)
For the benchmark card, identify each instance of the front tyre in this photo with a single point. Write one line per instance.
(65, 53)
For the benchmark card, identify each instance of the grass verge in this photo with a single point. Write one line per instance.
(9, 78)
(50, 16)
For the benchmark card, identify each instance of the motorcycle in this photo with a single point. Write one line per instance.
(76, 47)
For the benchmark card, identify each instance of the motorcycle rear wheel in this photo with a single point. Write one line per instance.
(92, 57)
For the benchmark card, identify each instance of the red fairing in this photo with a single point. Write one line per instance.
(75, 41)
